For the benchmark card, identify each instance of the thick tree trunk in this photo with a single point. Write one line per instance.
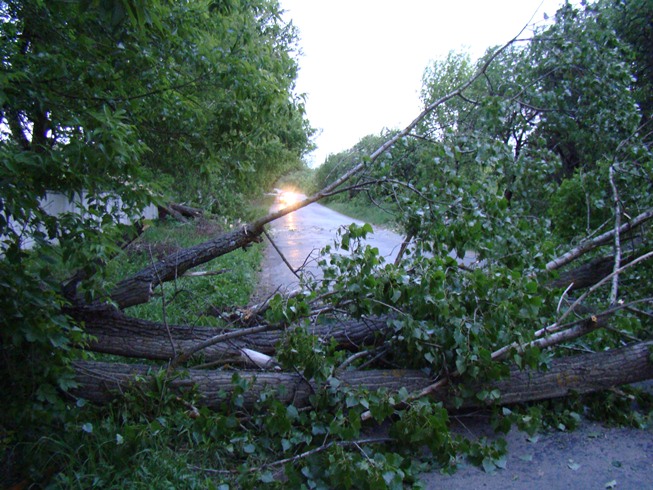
(116, 333)
(581, 374)
(102, 382)
(588, 274)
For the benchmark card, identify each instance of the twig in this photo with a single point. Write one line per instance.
(305, 454)
(626, 335)
(259, 308)
(354, 357)
(382, 351)
(283, 257)
(402, 249)
(639, 312)
(393, 308)
(563, 297)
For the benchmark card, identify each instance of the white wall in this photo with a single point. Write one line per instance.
(55, 204)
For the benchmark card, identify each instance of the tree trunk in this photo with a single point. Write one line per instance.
(116, 333)
(588, 274)
(586, 373)
(138, 289)
(187, 211)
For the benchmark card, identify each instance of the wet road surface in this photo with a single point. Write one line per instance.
(301, 235)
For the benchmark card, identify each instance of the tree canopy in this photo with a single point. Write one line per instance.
(141, 101)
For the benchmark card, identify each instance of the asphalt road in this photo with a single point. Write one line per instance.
(301, 235)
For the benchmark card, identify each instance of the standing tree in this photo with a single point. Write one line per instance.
(121, 100)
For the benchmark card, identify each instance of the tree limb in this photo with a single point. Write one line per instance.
(138, 288)
(617, 237)
(588, 245)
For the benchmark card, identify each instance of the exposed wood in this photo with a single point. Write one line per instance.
(586, 373)
(205, 273)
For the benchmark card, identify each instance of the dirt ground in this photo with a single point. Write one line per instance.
(590, 457)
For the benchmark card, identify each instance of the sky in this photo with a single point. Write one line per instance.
(362, 61)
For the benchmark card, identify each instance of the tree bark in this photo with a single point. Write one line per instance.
(588, 274)
(102, 382)
(581, 374)
(138, 289)
(118, 334)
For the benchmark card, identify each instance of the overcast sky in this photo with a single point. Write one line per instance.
(363, 60)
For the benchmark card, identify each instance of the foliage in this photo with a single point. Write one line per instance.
(118, 104)
(516, 170)
(542, 151)
(628, 19)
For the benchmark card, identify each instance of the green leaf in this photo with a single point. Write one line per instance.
(292, 412)
(489, 465)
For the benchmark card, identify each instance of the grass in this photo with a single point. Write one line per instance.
(365, 211)
(191, 300)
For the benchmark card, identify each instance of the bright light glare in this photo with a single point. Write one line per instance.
(288, 198)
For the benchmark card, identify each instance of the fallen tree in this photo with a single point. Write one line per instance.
(101, 382)
(114, 332)
(527, 161)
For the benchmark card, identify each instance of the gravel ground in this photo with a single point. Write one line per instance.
(590, 457)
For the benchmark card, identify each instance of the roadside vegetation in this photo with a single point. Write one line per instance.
(121, 369)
